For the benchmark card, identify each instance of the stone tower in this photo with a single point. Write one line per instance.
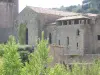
(8, 14)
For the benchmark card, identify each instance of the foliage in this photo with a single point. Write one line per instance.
(1, 52)
(1, 66)
(39, 62)
(58, 70)
(22, 34)
(11, 63)
(88, 6)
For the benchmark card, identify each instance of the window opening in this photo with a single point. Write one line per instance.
(26, 35)
(78, 32)
(98, 37)
(59, 42)
(67, 41)
(50, 38)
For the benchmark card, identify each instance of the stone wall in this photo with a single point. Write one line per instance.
(8, 14)
(28, 17)
(4, 34)
(60, 33)
(59, 56)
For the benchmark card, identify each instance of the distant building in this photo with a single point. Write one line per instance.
(8, 13)
(36, 20)
(79, 34)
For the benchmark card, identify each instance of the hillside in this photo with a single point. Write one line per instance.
(88, 6)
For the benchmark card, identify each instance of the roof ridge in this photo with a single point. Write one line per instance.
(52, 11)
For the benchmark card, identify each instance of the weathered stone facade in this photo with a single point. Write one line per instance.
(78, 33)
(36, 20)
(8, 13)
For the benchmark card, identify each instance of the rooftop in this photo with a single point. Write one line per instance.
(52, 11)
(73, 17)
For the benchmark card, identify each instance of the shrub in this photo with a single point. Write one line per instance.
(1, 52)
(11, 63)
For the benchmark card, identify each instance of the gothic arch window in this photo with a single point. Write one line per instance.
(26, 35)
(50, 38)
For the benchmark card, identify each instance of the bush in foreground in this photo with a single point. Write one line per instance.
(39, 60)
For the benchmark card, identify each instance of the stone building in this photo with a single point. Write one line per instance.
(77, 34)
(76, 38)
(36, 20)
(8, 13)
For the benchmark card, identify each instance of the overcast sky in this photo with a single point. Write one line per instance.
(47, 3)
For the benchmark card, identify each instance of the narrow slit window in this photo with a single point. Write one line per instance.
(26, 35)
(78, 32)
(59, 42)
(77, 45)
(50, 38)
(67, 41)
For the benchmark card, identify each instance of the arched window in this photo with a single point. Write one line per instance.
(50, 38)
(26, 35)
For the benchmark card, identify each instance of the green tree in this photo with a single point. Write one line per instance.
(22, 34)
(11, 59)
(39, 60)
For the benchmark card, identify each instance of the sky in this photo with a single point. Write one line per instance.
(47, 3)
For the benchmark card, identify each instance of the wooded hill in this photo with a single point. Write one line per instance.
(88, 6)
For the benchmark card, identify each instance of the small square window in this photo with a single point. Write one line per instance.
(98, 37)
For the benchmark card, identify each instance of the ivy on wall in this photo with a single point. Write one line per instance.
(22, 34)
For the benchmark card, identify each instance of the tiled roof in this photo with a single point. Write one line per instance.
(72, 17)
(51, 11)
